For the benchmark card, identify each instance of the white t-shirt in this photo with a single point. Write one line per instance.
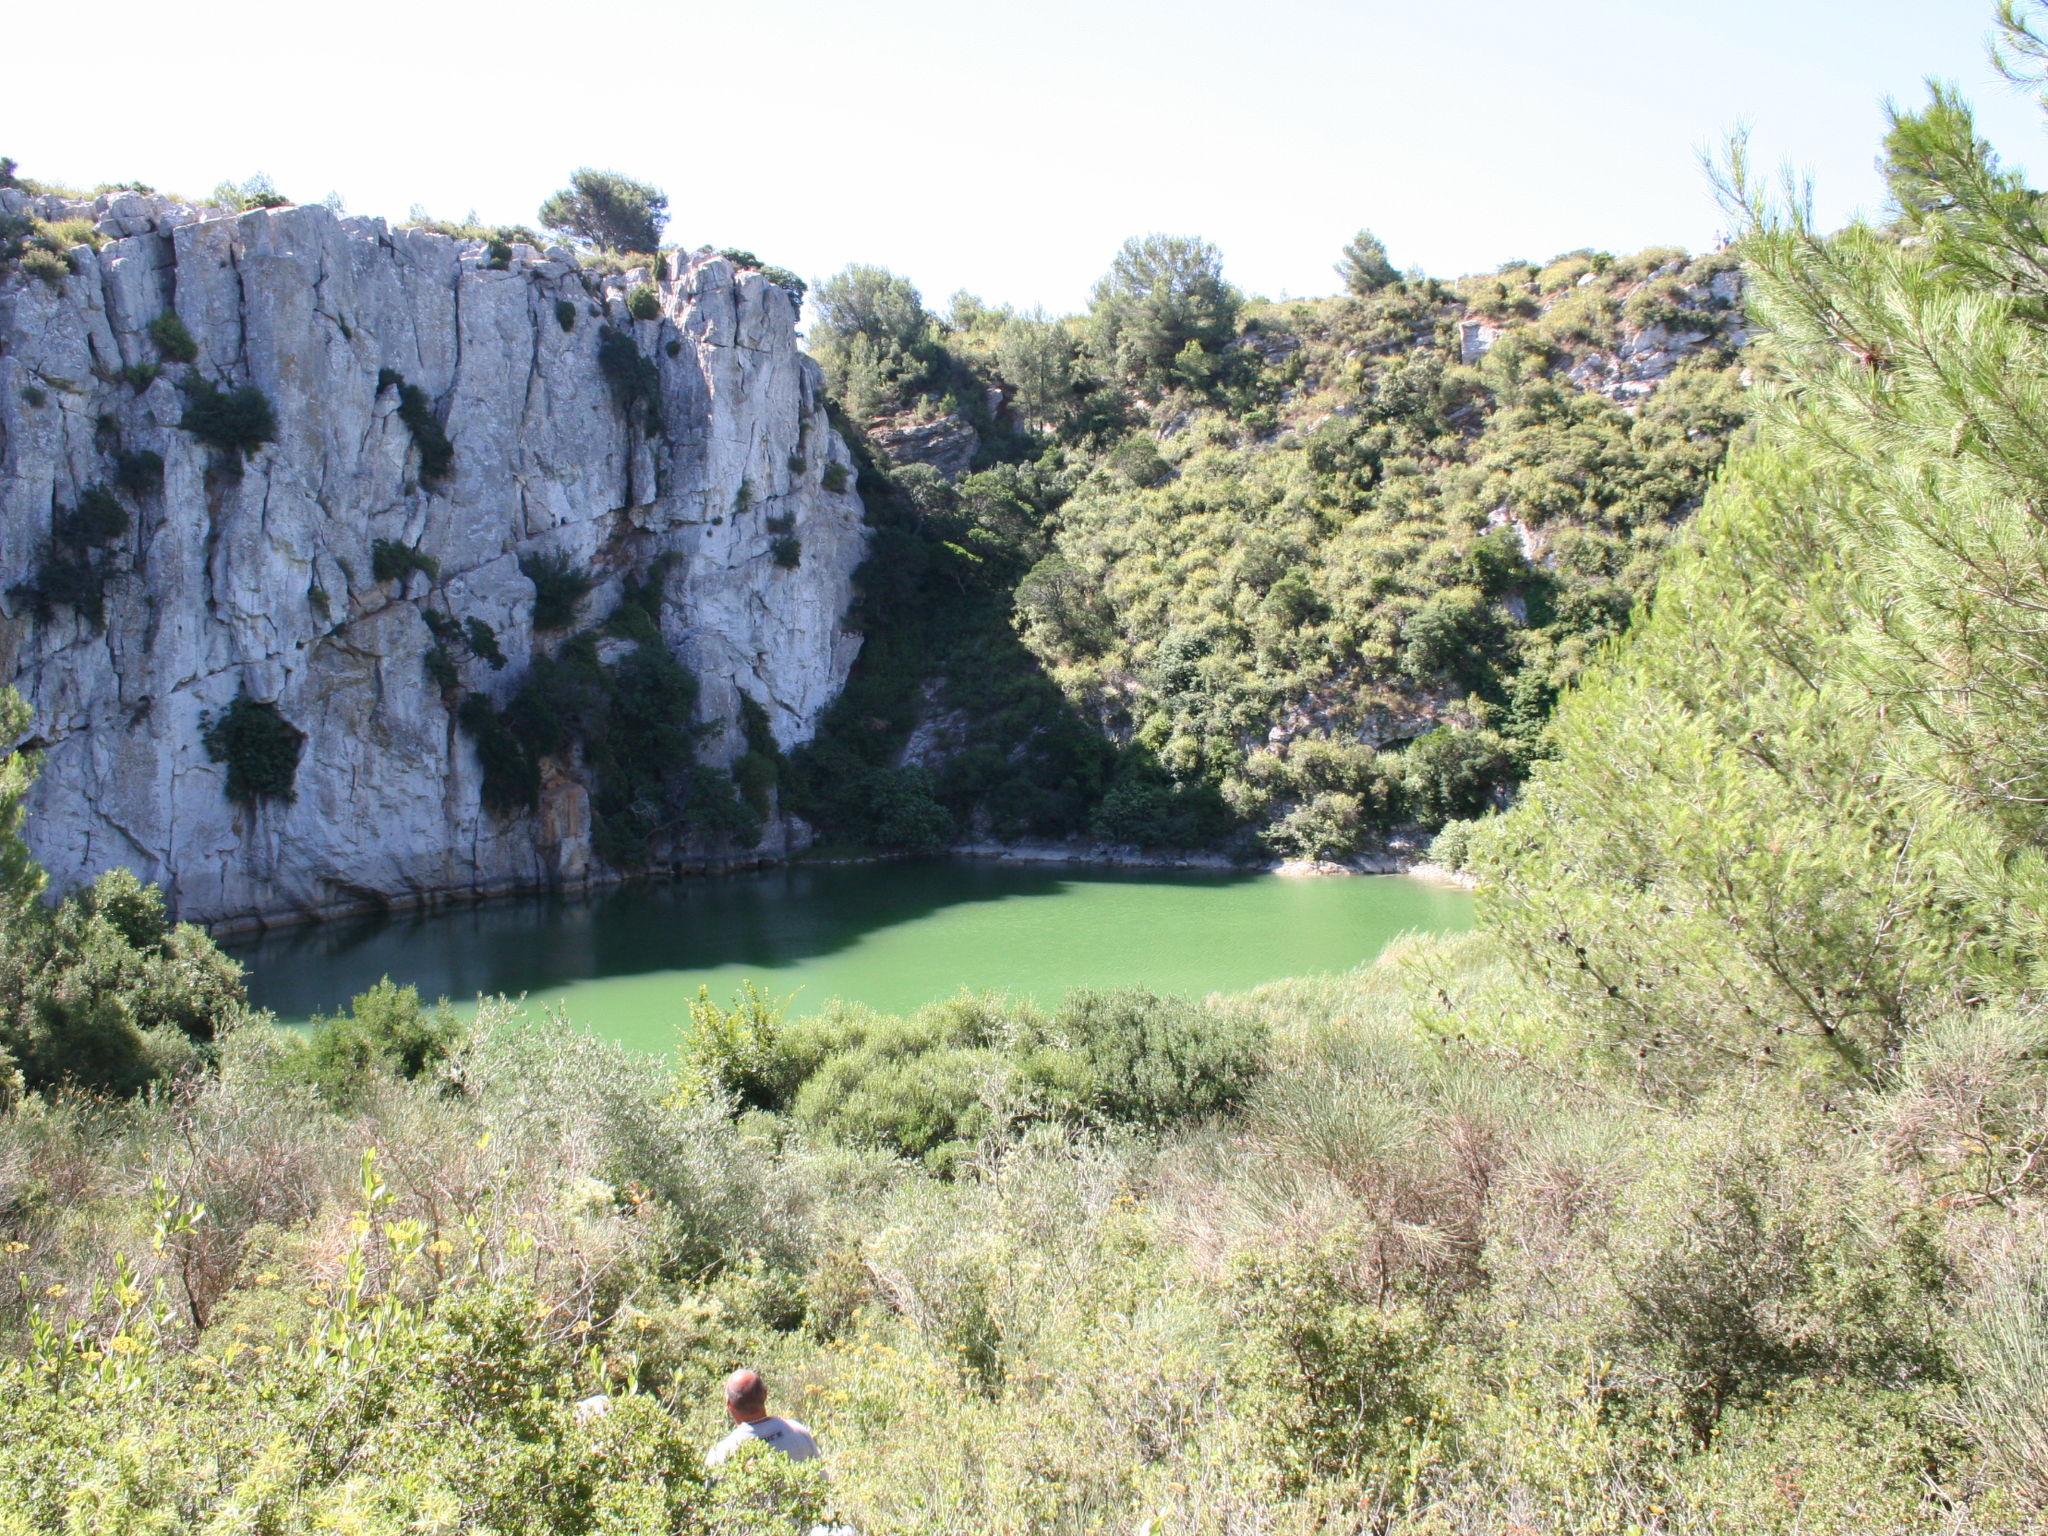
(785, 1435)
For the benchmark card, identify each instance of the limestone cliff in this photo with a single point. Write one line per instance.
(257, 574)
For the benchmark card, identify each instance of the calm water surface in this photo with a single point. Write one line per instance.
(627, 962)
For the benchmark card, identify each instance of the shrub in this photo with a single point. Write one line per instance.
(393, 561)
(233, 420)
(386, 1032)
(565, 314)
(97, 518)
(643, 303)
(1454, 772)
(139, 376)
(47, 265)
(73, 571)
(172, 339)
(1140, 1059)
(738, 1051)
(915, 1085)
(104, 992)
(483, 643)
(1327, 827)
(1452, 845)
(441, 669)
(139, 472)
(260, 747)
(511, 776)
(437, 453)
(497, 254)
(1340, 1377)
(558, 589)
(2004, 1356)
(634, 381)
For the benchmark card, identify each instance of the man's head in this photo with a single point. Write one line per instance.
(746, 1397)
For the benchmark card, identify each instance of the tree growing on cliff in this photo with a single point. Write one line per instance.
(608, 210)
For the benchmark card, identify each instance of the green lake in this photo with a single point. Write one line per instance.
(626, 963)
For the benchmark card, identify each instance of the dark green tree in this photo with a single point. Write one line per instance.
(1162, 295)
(606, 209)
(1364, 267)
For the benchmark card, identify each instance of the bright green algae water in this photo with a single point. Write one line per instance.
(626, 963)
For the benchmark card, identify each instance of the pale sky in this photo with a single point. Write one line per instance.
(1009, 149)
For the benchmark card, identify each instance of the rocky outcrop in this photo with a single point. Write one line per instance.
(306, 573)
(947, 444)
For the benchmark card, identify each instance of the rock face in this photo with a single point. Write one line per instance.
(257, 575)
(947, 444)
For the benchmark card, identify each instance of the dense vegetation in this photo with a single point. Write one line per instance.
(630, 715)
(1289, 576)
(1705, 1190)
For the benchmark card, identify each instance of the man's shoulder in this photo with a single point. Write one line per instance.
(734, 1439)
(791, 1436)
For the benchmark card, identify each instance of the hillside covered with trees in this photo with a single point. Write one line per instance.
(1703, 1190)
(1193, 570)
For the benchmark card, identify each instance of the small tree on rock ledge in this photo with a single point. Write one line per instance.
(608, 210)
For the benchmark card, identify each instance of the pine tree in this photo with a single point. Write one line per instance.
(1805, 806)
(1365, 268)
(608, 210)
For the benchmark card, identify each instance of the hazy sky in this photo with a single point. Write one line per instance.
(1010, 148)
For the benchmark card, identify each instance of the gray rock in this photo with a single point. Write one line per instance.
(948, 444)
(262, 580)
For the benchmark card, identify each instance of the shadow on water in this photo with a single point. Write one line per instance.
(767, 920)
(890, 934)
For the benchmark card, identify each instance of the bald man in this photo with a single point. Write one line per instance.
(746, 1401)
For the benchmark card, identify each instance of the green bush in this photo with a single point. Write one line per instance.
(1451, 773)
(139, 472)
(787, 550)
(173, 341)
(565, 314)
(437, 453)
(1136, 1058)
(1451, 848)
(511, 775)
(644, 303)
(915, 1085)
(834, 479)
(101, 991)
(96, 518)
(634, 381)
(51, 267)
(392, 561)
(259, 746)
(738, 1051)
(441, 669)
(483, 643)
(385, 1033)
(74, 569)
(558, 588)
(237, 421)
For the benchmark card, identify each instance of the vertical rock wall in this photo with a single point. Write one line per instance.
(258, 576)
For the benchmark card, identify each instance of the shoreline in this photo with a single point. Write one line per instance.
(1396, 858)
